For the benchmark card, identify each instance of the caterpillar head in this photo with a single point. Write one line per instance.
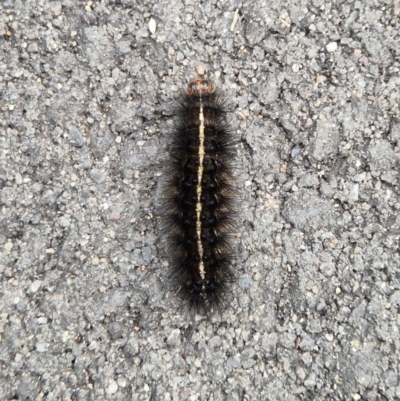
(200, 86)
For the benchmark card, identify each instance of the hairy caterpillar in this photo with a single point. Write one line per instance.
(199, 198)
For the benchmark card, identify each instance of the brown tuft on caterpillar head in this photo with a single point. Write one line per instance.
(200, 86)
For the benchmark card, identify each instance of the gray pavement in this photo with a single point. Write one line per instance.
(86, 307)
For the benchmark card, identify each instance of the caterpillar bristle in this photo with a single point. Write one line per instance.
(199, 198)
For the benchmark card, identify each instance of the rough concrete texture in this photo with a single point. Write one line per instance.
(86, 311)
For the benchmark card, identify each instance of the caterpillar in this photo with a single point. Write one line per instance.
(199, 198)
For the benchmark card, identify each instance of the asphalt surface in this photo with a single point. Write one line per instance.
(86, 95)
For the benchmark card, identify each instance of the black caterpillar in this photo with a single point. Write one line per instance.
(200, 197)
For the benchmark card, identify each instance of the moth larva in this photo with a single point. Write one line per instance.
(199, 197)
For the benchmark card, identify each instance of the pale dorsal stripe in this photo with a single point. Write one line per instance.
(199, 206)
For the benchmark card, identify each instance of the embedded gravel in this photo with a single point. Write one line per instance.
(86, 95)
